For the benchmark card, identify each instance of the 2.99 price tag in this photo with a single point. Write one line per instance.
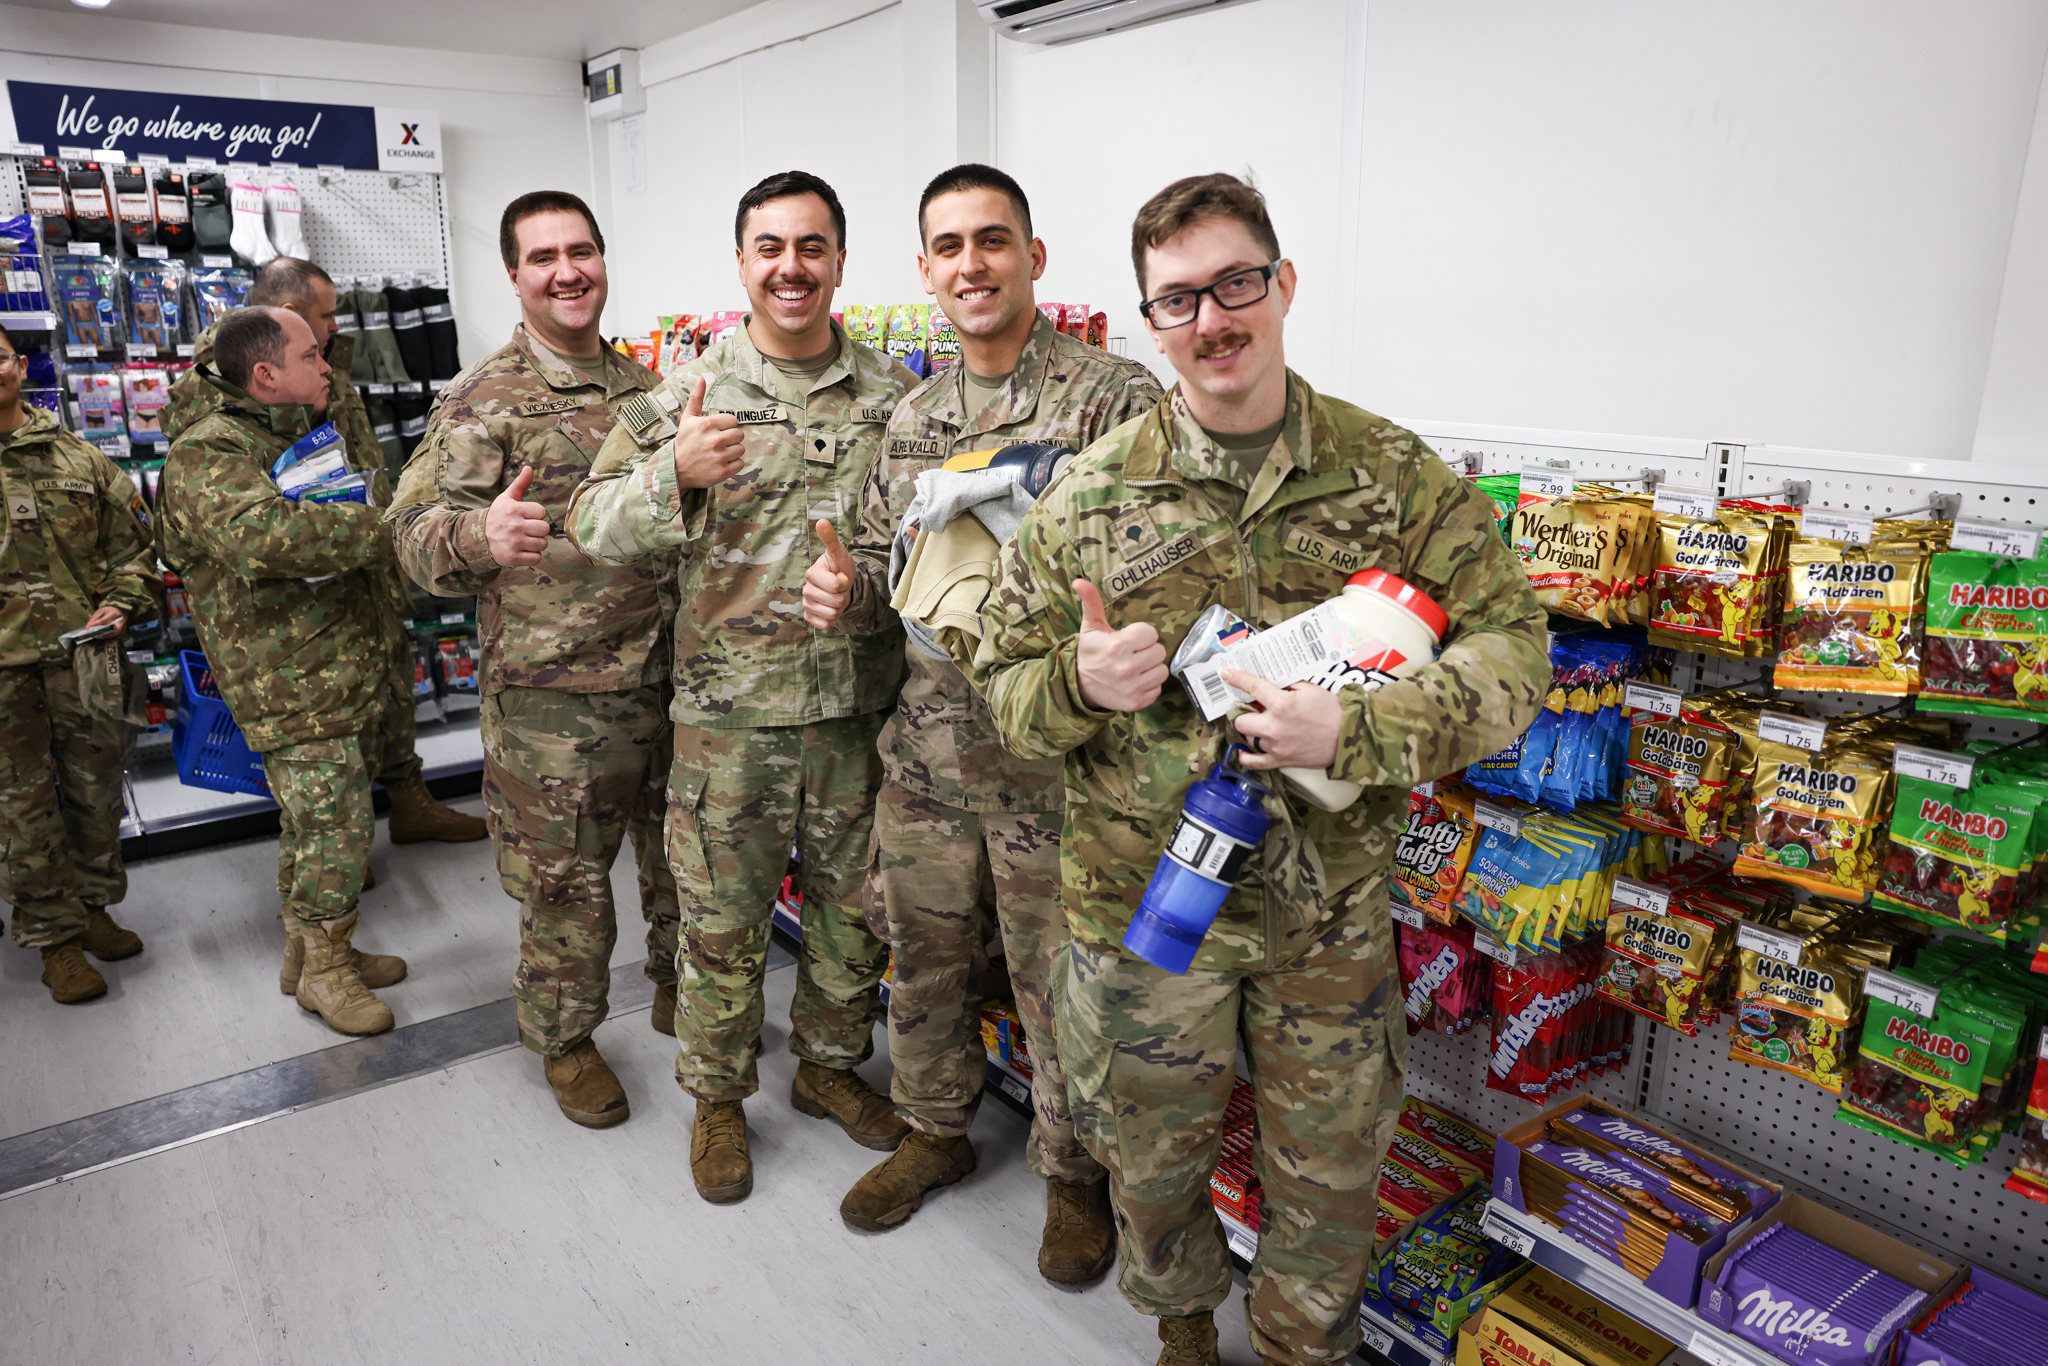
(1934, 766)
(1996, 538)
(1546, 482)
(1652, 697)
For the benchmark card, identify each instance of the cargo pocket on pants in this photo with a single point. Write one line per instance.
(683, 834)
(540, 837)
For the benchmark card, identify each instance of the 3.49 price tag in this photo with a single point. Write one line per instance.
(1996, 538)
(1411, 916)
(1933, 765)
(1902, 992)
(1494, 949)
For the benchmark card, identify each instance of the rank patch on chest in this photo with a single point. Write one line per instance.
(1310, 546)
(1134, 534)
(541, 407)
(1140, 571)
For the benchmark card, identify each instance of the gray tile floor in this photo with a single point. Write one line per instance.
(456, 1217)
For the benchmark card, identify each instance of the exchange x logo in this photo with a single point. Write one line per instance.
(412, 135)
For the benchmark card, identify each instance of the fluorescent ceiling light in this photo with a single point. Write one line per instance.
(92, 4)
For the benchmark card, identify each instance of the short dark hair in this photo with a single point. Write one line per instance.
(537, 202)
(1187, 201)
(972, 175)
(286, 282)
(245, 336)
(782, 185)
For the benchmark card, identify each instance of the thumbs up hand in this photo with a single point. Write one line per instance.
(708, 450)
(516, 530)
(1119, 670)
(828, 587)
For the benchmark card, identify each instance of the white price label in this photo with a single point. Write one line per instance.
(185, 348)
(1902, 992)
(1707, 1349)
(1835, 524)
(82, 249)
(453, 618)
(81, 350)
(1427, 789)
(220, 262)
(1411, 916)
(1016, 1089)
(25, 149)
(284, 165)
(1935, 766)
(1242, 1244)
(1693, 503)
(376, 388)
(1652, 697)
(1545, 481)
(141, 351)
(411, 386)
(202, 163)
(152, 159)
(1492, 948)
(1497, 818)
(149, 251)
(436, 385)
(245, 167)
(1378, 1339)
(75, 153)
(1996, 538)
(1513, 1239)
(1641, 896)
(1768, 943)
(1800, 732)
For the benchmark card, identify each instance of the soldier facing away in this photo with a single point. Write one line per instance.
(733, 459)
(575, 656)
(76, 553)
(1246, 488)
(291, 602)
(967, 834)
(308, 291)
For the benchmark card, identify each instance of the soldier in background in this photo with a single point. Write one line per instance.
(1248, 489)
(288, 603)
(308, 291)
(575, 660)
(76, 554)
(967, 834)
(732, 458)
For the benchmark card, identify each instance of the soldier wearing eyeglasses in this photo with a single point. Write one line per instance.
(1243, 488)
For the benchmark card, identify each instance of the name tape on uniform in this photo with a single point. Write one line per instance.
(1902, 992)
(1800, 732)
(1768, 943)
(1996, 538)
(1652, 697)
(1934, 766)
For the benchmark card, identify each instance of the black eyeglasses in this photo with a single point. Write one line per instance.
(1241, 290)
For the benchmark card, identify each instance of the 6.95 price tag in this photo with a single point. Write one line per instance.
(1513, 1239)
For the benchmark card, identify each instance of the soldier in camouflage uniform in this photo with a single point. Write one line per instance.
(1248, 489)
(958, 816)
(575, 659)
(76, 553)
(286, 597)
(734, 458)
(308, 291)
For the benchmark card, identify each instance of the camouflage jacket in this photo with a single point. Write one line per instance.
(942, 743)
(1344, 490)
(192, 398)
(744, 656)
(77, 537)
(568, 623)
(295, 661)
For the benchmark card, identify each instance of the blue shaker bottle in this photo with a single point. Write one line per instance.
(1221, 821)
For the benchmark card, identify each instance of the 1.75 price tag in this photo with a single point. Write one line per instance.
(1933, 765)
(1902, 992)
(1996, 538)
(1652, 697)
(1697, 504)
(1835, 524)
(1797, 731)
(1769, 943)
(1641, 896)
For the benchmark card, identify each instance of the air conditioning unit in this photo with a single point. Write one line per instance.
(1064, 21)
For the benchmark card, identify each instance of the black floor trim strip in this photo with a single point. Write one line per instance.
(66, 1151)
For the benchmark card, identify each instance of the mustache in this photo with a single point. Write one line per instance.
(1225, 342)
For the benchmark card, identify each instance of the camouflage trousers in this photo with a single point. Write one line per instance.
(567, 776)
(940, 876)
(398, 759)
(56, 858)
(1149, 1061)
(325, 821)
(736, 800)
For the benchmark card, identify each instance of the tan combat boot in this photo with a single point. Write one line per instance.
(1079, 1241)
(663, 1016)
(69, 977)
(719, 1161)
(416, 816)
(1189, 1340)
(832, 1093)
(894, 1191)
(329, 983)
(586, 1087)
(105, 940)
(376, 969)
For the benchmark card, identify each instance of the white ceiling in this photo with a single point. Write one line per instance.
(521, 28)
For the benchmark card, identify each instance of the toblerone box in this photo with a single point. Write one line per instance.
(1595, 1333)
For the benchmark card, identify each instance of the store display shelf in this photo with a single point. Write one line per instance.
(1013, 1086)
(1385, 1340)
(1551, 1250)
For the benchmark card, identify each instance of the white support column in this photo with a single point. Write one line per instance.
(948, 73)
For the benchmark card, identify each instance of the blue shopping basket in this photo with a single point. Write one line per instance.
(205, 741)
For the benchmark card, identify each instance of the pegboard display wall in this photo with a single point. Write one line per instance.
(355, 223)
(1771, 1121)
